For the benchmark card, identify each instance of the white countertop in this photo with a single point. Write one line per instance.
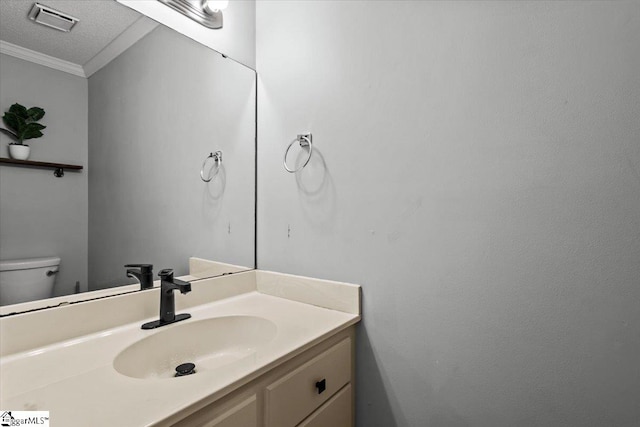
(76, 382)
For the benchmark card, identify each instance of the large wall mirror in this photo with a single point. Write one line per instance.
(140, 107)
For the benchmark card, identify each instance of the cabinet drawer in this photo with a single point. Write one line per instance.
(296, 395)
(238, 414)
(337, 412)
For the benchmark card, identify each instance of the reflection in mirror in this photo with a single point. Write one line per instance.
(141, 113)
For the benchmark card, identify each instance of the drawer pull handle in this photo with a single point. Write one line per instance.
(321, 385)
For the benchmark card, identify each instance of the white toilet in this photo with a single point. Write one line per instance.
(24, 280)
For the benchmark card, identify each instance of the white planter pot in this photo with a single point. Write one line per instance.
(19, 152)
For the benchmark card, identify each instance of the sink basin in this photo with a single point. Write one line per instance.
(209, 344)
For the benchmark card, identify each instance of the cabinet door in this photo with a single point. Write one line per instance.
(337, 412)
(296, 395)
(243, 414)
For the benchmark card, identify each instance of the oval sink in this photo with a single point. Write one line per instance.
(209, 344)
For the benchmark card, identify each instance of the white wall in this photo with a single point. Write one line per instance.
(478, 172)
(236, 39)
(41, 215)
(150, 133)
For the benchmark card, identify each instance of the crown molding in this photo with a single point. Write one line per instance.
(124, 41)
(41, 59)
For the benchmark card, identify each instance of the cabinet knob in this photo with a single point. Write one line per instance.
(321, 385)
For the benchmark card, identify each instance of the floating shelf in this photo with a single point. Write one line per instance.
(58, 168)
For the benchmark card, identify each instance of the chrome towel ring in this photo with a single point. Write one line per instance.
(305, 142)
(217, 158)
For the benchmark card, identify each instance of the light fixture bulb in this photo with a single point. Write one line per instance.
(213, 6)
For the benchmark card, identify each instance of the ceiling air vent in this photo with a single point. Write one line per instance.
(52, 18)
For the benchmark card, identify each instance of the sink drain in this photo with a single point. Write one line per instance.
(185, 369)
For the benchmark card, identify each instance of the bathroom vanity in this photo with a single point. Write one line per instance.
(312, 389)
(269, 350)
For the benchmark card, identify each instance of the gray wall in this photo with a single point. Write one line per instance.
(41, 215)
(155, 113)
(478, 172)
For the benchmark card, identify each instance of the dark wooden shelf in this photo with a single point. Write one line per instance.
(58, 168)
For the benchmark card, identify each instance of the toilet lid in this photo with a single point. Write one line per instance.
(28, 263)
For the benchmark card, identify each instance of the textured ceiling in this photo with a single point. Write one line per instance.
(100, 22)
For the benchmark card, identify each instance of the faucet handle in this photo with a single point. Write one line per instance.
(166, 274)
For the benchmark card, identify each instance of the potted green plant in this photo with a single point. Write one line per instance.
(22, 124)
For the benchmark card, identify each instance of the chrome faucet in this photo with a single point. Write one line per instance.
(167, 302)
(144, 275)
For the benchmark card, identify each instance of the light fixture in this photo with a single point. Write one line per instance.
(50, 17)
(213, 6)
(204, 12)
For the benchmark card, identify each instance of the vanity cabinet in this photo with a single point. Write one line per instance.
(240, 412)
(290, 399)
(337, 411)
(313, 389)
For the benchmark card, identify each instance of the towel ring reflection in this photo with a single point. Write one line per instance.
(305, 142)
(217, 158)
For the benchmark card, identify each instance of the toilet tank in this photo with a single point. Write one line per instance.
(24, 280)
